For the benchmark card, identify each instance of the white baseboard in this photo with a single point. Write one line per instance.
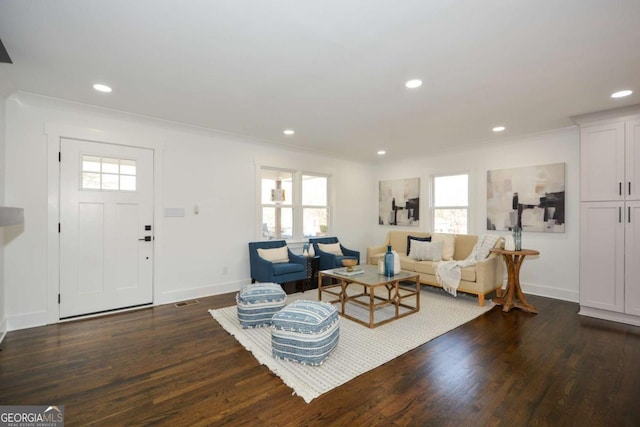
(3, 329)
(26, 320)
(549, 292)
(169, 297)
(31, 320)
(609, 315)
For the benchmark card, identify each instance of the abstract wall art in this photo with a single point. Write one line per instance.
(532, 197)
(399, 202)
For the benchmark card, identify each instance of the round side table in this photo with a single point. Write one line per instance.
(514, 297)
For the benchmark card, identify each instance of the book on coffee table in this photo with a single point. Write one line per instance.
(345, 272)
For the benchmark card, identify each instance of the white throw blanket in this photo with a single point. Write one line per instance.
(448, 273)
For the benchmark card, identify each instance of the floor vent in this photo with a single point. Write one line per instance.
(186, 303)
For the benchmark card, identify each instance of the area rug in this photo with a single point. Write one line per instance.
(360, 348)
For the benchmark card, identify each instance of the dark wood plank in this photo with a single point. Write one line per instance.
(177, 366)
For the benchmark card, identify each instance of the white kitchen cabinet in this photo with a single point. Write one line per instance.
(610, 219)
(602, 256)
(602, 162)
(632, 259)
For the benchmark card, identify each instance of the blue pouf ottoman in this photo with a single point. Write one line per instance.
(257, 303)
(305, 332)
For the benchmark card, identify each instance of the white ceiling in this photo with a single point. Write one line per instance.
(333, 70)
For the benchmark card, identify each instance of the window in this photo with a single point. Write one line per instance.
(106, 173)
(450, 203)
(315, 208)
(294, 204)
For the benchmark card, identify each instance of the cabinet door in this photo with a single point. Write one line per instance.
(602, 255)
(632, 258)
(632, 166)
(602, 162)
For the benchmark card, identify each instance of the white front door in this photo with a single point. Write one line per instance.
(106, 227)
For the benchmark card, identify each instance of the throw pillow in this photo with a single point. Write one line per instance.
(419, 239)
(448, 247)
(333, 248)
(275, 255)
(426, 251)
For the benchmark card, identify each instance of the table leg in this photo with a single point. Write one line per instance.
(520, 301)
(343, 294)
(371, 306)
(396, 297)
(514, 296)
(418, 293)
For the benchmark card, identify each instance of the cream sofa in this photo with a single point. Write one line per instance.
(481, 279)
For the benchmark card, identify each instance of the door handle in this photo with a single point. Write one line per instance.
(146, 239)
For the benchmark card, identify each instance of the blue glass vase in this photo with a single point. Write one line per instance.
(388, 262)
(517, 237)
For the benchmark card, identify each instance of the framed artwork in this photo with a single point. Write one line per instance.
(399, 202)
(532, 197)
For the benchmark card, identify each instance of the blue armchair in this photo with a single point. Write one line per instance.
(330, 260)
(263, 270)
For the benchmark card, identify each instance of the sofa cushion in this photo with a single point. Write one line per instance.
(275, 254)
(468, 274)
(429, 267)
(429, 251)
(286, 268)
(448, 248)
(407, 263)
(464, 245)
(333, 248)
(425, 267)
(416, 238)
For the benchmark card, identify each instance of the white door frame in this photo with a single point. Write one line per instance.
(54, 132)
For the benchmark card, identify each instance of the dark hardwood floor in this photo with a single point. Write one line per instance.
(177, 366)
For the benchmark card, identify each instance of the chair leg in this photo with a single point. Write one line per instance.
(481, 300)
(253, 280)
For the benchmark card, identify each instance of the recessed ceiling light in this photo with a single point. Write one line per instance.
(101, 88)
(498, 129)
(288, 132)
(412, 84)
(621, 93)
(381, 152)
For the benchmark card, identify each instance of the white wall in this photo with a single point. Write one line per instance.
(196, 255)
(3, 318)
(555, 272)
(207, 253)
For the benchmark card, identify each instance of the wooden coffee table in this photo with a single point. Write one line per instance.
(369, 280)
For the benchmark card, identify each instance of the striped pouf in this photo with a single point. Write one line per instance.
(305, 332)
(258, 303)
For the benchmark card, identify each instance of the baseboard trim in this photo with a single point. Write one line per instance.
(173, 296)
(549, 292)
(3, 329)
(26, 320)
(609, 315)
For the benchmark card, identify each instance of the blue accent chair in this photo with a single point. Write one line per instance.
(263, 270)
(329, 260)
